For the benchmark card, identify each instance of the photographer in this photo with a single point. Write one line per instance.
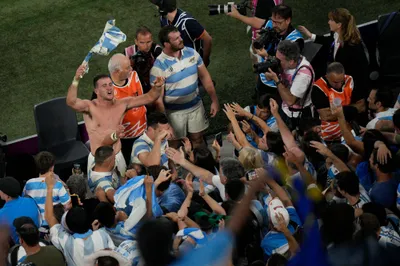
(192, 32)
(294, 83)
(142, 55)
(280, 23)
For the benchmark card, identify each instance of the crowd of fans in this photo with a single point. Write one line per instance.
(313, 179)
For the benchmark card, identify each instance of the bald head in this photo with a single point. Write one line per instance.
(116, 61)
(119, 67)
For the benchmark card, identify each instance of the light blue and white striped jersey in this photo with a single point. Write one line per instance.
(119, 234)
(129, 250)
(275, 242)
(145, 144)
(181, 78)
(77, 246)
(36, 188)
(386, 115)
(103, 180)
(293, 36)
(388, 238)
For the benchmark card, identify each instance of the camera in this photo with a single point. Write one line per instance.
(140, 61)
(223, 9)
(267, 36)
(272, 62)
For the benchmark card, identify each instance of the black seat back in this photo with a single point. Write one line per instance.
(56, 123)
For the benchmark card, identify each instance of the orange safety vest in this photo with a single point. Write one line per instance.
(331, 130)
(135, 120)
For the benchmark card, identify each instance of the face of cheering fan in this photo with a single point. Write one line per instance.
(104, 89)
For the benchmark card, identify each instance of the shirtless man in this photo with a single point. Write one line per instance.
(103, 116)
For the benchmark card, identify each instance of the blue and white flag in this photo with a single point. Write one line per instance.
(109, 40)
(196, 234)
(131, 198)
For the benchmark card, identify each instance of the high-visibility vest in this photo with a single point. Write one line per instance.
(330, 129)
(135, 120)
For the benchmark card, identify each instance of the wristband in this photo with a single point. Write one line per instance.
(75, 82)
(114, 136)
(277, 83)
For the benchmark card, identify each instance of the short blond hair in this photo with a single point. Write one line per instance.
(250, 158)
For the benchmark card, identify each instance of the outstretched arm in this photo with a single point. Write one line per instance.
(240, 136)
(48, 207)
(254, 22)
(178, 157)
(147, 98)
(73, 101)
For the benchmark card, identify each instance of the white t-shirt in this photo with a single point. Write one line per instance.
(216, 180)
(386, 115)
(298, 86)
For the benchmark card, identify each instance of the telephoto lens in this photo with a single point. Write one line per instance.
(219, 9)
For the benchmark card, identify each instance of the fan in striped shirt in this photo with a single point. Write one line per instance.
(78, 241)
(36, 187)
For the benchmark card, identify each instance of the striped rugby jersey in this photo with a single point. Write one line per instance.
(145, 144)
(181, 79)
(76, 247)
(36, 188)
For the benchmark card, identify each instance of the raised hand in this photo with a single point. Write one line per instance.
(290, 157)
(50, 179)
(274, 107)
(383, 153)
(80, 72)
(234, 13)
(163, 176)
(216, 146)
(176, 156)
(229, 112)
(159, 82)
(321, 148)
(161, 135)
(281, 227)
(238, 109)
(231, 137)
(304, 31)
(187, 145)
(245, 127)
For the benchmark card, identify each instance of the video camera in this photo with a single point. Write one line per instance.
(267, 36)
(272, 62)
(141, 60)
(223, 9)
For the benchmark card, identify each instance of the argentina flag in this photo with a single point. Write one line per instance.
(131, 198)
(109, 40)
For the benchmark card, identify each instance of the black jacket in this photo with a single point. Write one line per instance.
(352, 57)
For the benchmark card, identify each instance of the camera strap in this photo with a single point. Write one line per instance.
(308, 91)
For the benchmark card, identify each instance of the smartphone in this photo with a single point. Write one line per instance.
(251, 175)
(218, 138)
(75, 200)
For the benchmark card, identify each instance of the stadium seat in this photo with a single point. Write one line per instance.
(57, 130)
